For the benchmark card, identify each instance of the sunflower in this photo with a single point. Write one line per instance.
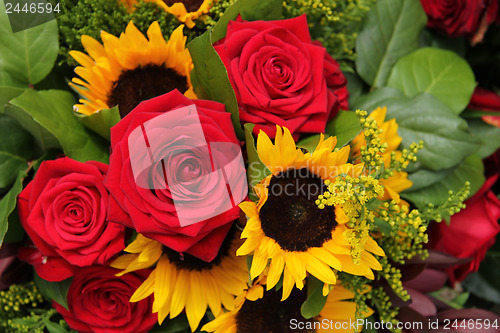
(286, 227)
(185, 11)
(399, 181)
(268, 314)
(127, 70)
(182, 282)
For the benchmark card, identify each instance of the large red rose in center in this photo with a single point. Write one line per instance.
(176, 169)
(280, 77)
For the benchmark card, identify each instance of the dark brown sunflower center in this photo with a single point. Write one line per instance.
(290, 215)
(189, 262)
(136, 85)
(191, 5)
(270, 315)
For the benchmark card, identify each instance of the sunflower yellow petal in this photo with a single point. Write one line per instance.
(196, 303)
(179, 294)
(259, 262)
(145, 289)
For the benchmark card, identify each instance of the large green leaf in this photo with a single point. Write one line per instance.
(423, 177)
(53, 327)
(478, 285)
(9, 88)
(178, 324)
(315, 300)
(376, 98)
(345, 126)
(8, 203)
(391, 31)
(210, 78)
(256, 170)
(355, 86)
(15, 232)
(431, 38)
(471, 170)
(311, 142)
(44, 140)
(441, 73)
(27, 55)
(52, 110)
(15, 150)
(489, 135)
(447, 139)
(56, 291)
(101, 121)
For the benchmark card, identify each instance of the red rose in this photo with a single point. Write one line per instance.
(470, 234)
(455, 18)
(171, 164)
(64, 212)
(98, 302)
(486, 100)
(280, 77)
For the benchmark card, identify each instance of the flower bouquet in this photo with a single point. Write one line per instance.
(249, 166)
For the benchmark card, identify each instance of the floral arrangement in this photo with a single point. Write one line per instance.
(250, 166)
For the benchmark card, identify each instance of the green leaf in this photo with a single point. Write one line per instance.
(256, 170)
(52, 111)
(15, 150)
(311, 142)
(26, 322)
(471, 113)
(175, 325)
(485, 283)
(376, 98)
(9, 88)
(345, 126)
(315, 300)
(489, 136)
(56, 291)
(441, 73)
(8, 203)
(210, 79)
(471, 169)
(391, 31)
(44, 140)
(447, 140)
(250, 10)
(101, 121)
(15, 233)
(423, 177)
(383, 226)
(355, 86)
(28, 55)
(431, 38)
(53, 327)
(23, 20)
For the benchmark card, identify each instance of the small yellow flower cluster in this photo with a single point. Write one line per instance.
(453, 204)
(18, 296)
(407, 231)
(352, 194)
(373, 153)
(384, 307)
(22, 309)
(336, 23)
